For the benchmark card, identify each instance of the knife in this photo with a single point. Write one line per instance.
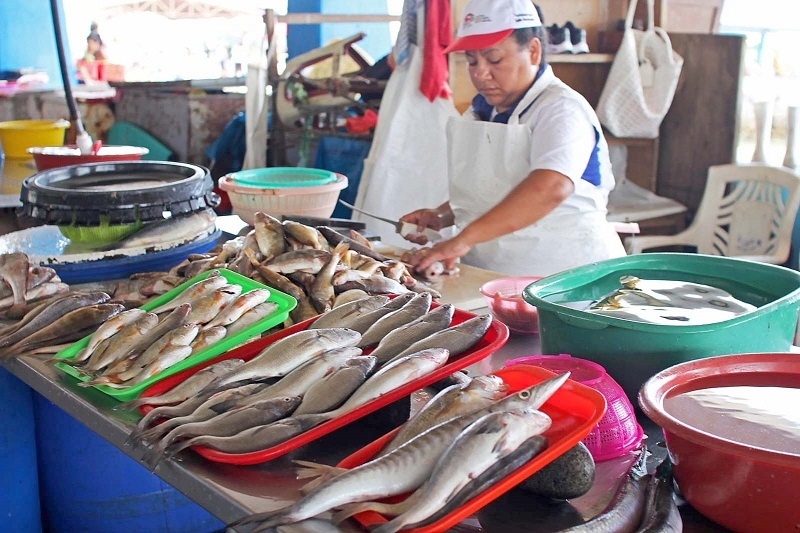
(403, 228)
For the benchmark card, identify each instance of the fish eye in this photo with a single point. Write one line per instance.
(525, 394)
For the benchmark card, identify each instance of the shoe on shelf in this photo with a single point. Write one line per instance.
(577, 37)
(558, 40)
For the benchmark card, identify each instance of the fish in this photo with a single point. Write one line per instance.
(207, 338)
(242, 304)
(106, 330)
(120, 345)
(32, 296)
(403, 470)
(421, 328)
(332, 390)
(46, 314)
(14, 271)
(77, 319)
(458, 339)
(308, 260)
(334, 238)
(477, 448)
(341, 316)
(322, 294)
(269, 235)
(186, 388)
(251, 317)
(450, 402)
(363, 321)
(306, 235)
(226, 424)
(288, 353)
(349, 296)
(210, 283)
(170, 355)
(304, 310)
(274, 279)
(171, 230)
(205, 308)
(375, 284)
(37, 275)
(415, 308)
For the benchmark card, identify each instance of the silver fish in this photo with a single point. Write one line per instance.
(269, 234)
(362, 322)
(332, 390)
(339, 317)
(307, 260)
(186, 389)
(403, 470)
(203, 287)
(207, 338)
(322, 294)
(204, 309)
(120, 345)
(458, 339)
(450, 402)
(251, 317)
(423, 327)
(414, 309)
(170, 355)
(375, 284)
(288, 353)
(178, 229)
(476, 449)
(107, 329)
(274, 279)
(349, 296)
(306, 235)
(242, 304)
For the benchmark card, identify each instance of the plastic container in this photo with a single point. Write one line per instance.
(618, 432)
(492, 340)
(742, 487)
(504, 298)
(88, 485)
(19, 485)
(313, 201)
(16, 136)
(47, 157)
(574, 409)
(632, 352)
(285, 304)
(283, 177)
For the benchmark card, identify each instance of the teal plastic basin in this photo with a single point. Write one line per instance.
(632, 352)
(283, 177)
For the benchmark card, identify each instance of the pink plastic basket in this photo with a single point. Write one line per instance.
(617, 432)
(505, 302)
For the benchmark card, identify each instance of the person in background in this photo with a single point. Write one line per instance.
(94, 45)
(528, 166)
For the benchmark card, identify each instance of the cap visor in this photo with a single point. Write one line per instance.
(477, 42)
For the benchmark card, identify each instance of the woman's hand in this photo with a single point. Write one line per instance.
(435, 219)
(447, 252)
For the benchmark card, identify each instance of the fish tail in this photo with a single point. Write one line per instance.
(321, 472)
(266, 520)
(174, 447)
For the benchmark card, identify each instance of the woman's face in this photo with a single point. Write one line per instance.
(504, 72)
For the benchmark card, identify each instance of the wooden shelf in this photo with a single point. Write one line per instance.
(580, 58)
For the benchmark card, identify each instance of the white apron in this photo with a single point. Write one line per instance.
(486, 160)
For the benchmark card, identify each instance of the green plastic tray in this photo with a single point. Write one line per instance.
(632, 352)
(285, 304)
(283, 177)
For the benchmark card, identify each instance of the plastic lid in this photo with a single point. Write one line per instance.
(283, 177)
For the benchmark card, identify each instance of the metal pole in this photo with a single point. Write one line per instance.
(74, 116)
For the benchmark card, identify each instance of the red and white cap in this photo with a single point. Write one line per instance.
(488, 22)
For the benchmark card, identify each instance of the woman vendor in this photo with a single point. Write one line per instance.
(529, 172)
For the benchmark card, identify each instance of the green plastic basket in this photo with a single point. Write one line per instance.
(283, 177)
(632, 352)
(285, 304)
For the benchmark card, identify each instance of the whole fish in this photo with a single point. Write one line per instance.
(340, 317)
(334, 238)
(321, 293)
(482, 444)
(423, 327)
(170, 355)
(43, 291)
(332, 390)
(288, 353)
(362, 322)
(242, 304)
(251, 317)
(106, 330)
(203, 287)
(453, 401)
(178, 229)
(306, 235)
(414, 309)
(205, 308)
(403, 470)
(458, 339)
(307, 260)
(186, 389)
(274, 279)
(120, 345)
(375, 284)
(77, 319)
(46, 314)
(228, 423)
(269, 234)
(14, 273)
(208, 337)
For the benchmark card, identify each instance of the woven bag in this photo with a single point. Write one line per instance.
(642, 80)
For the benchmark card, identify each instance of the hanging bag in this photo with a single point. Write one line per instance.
(642, 80)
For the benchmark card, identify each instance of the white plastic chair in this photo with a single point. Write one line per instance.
(747, 211)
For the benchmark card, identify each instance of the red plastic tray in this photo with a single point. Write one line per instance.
(495, 337)
(574, 408)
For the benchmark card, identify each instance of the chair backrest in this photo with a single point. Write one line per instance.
(748, 210)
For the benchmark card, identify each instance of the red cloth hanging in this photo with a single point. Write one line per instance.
(438, 34)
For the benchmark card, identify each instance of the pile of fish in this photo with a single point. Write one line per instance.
(312, 376)
(442, 467)
(133, 345)
(25, 284)
(318, 266)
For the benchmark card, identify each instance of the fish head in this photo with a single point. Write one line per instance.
(535, 396)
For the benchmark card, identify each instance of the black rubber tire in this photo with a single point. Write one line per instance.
(63, 196)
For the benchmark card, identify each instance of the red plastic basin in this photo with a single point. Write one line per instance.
(47, 157)
(743, 487)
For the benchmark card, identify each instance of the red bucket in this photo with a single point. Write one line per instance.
(47, 157)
